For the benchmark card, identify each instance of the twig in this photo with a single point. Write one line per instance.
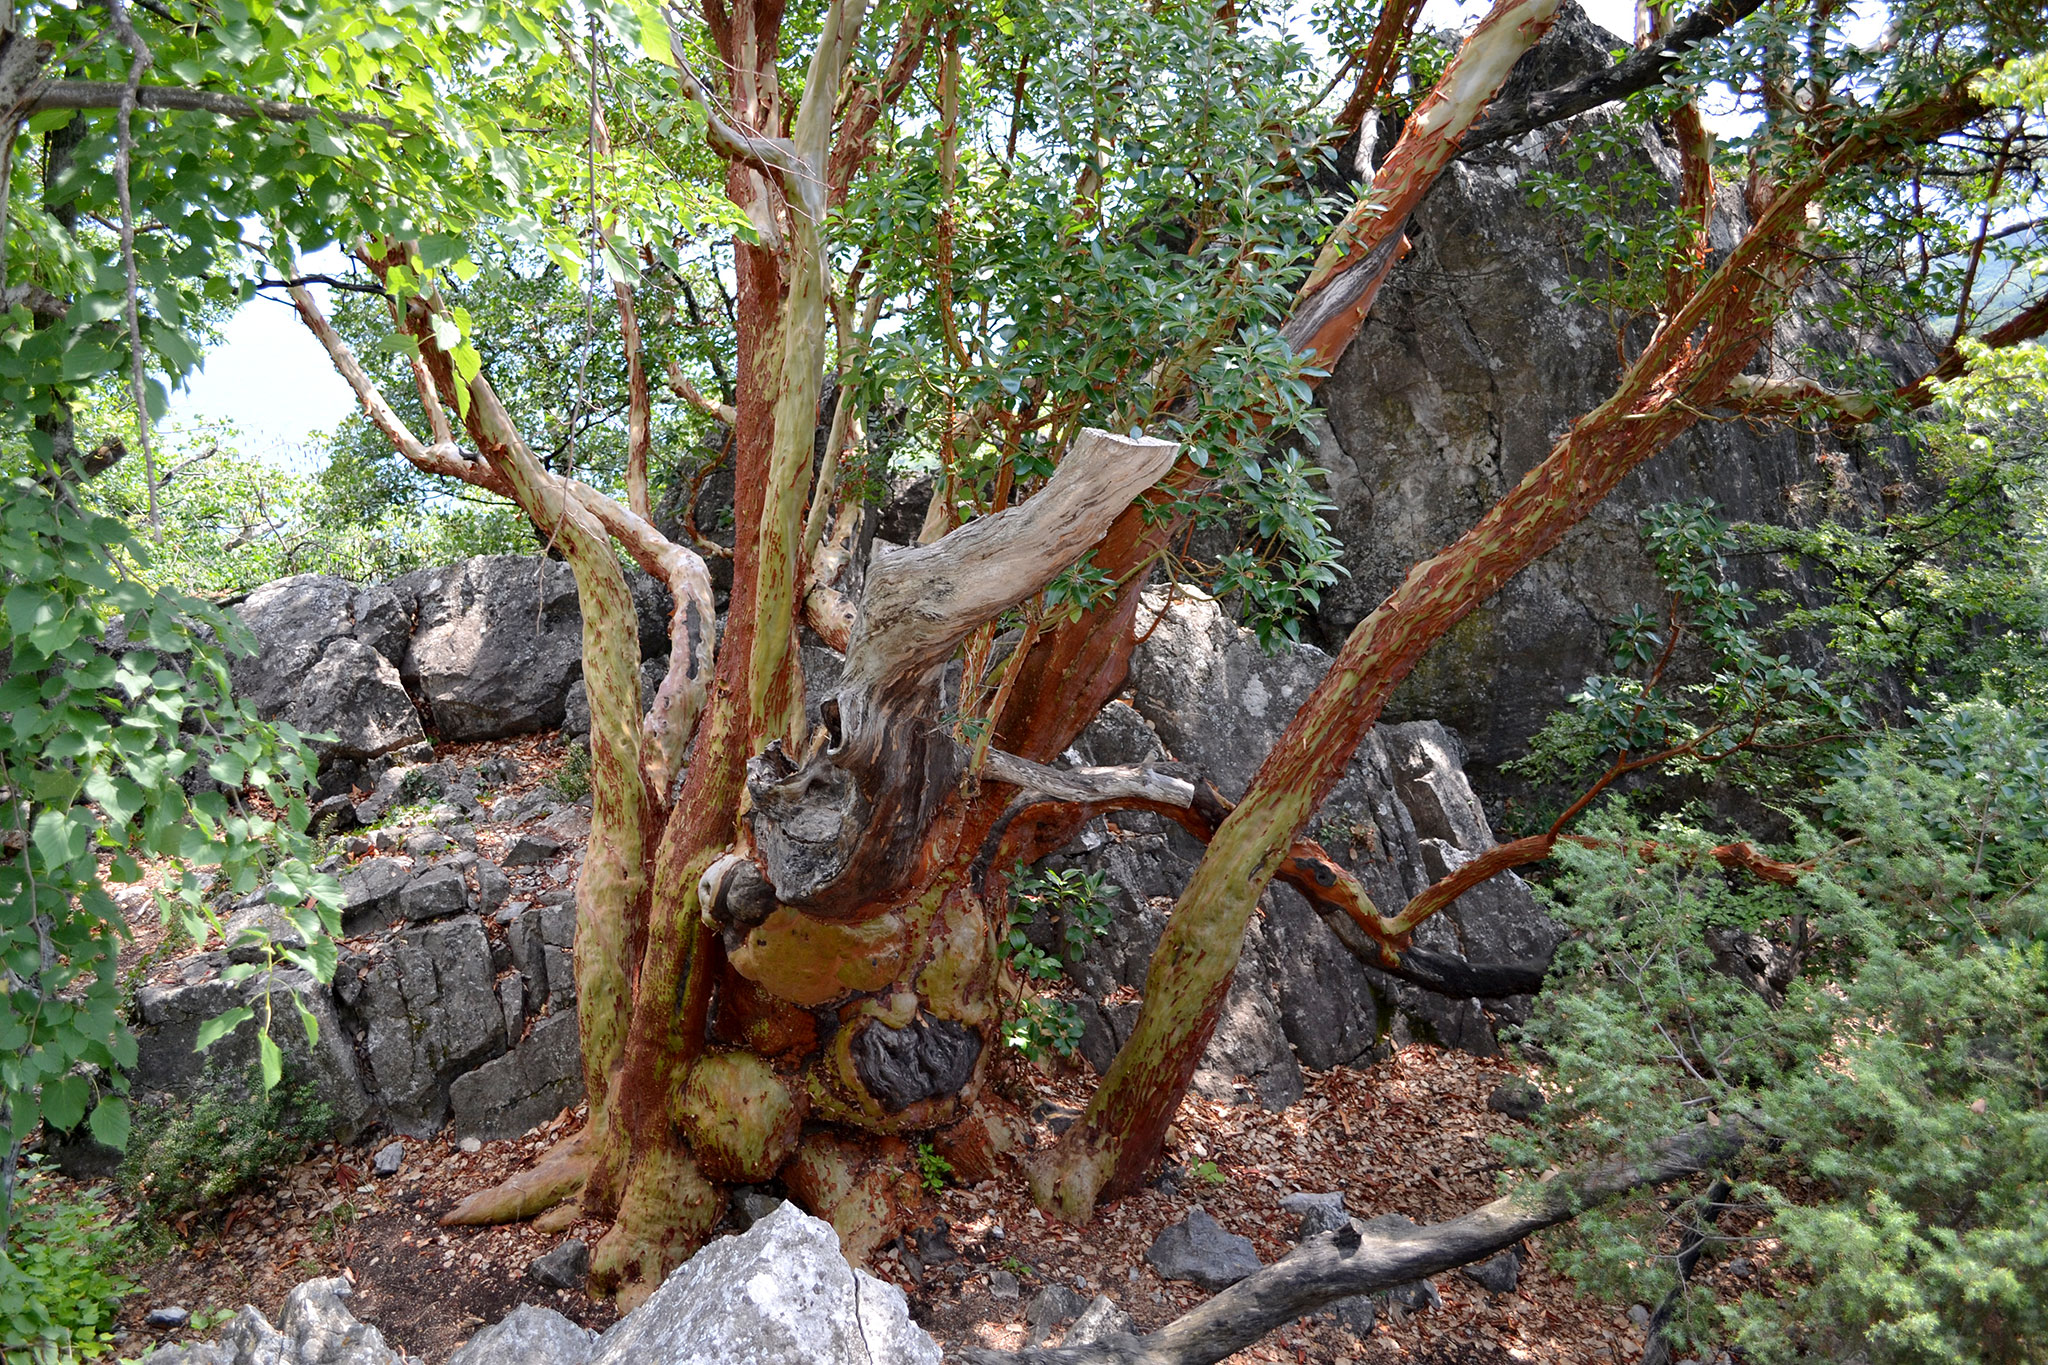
(123, 155)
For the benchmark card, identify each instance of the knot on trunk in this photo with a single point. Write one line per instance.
(930, 1059)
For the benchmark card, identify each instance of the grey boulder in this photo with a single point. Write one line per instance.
(780, 1293)
(1100, 1321)
(313, 669)
(496, 642)
(528, 1335)
(532, 1083)
(1198, 1249)
(1318, 1212)
(315, 1328)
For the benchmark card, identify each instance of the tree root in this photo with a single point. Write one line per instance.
(556, 1177)
(667, 1211)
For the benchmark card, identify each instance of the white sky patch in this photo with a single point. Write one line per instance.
(271, 379)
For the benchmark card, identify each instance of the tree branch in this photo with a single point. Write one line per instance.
(183, 99)
(1639, 71)
(921, 602)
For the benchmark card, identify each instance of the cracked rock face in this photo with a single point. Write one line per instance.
(1402, 814)
(1473, 363)
(324, 663)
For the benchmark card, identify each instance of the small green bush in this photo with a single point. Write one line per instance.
(573, 781)
(58, 1289)
(197, 1157)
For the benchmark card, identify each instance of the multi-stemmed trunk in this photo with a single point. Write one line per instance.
(787, 956)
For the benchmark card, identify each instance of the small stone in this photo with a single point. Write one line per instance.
(1742, 1267)
(335, 815)
(1416, 1295)
(492, 886)
(1358, 1313)
(1100, 1319)
(749, 1206)
(355, 846)
(384, 840)
(1002, 1285)
(1639, 1314)
(1050, 1306)
(471, 1145)
(1498, 1274)
(390, 1157)
(566, 1267)
(1318, 1212)
(435, 894)
(166, 1319)
(531, 848)
(424, 843)
(1516, 1098)
(1198, 1249)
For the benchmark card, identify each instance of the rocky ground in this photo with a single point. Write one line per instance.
(1406, 1135)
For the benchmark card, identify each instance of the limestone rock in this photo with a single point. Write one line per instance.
(370, 894)
(565, 1267)
(1318, 1212)
(1100, 1321)
(1474, 362)
(311, 670)
(315, 1328)
(508, 1095)
(1048, 1308)
(1401, 815)
(434, 894)
(171, 1015)
(778, 1294)
(496, 642)
(429, 1013)
(528, 1335)
(1499, 1273)
(1198, 1249)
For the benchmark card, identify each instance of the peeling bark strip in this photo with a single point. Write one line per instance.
(1337, 1265)
(1348, 272)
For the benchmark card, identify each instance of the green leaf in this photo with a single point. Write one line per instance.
(110, 1123)
(218, 1027)
(64, 1101)
(272, 1060)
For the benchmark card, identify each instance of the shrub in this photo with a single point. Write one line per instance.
(195, 1158)
(58, 1289)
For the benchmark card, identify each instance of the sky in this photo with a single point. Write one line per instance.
(274, 382)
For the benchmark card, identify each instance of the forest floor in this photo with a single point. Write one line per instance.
(1408, 1135)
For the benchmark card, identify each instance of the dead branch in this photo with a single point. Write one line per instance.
(1641, 70)
(1338, 1265)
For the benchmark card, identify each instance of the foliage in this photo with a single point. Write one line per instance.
(1081, 903)
(1727, 702)
(934, 1172)
(1151, 300)
(119, 740)
(1900, 1082)
(1945, 591)
(197, 1155)
(572, 779)
(1209, 1173)
(60, 1283)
